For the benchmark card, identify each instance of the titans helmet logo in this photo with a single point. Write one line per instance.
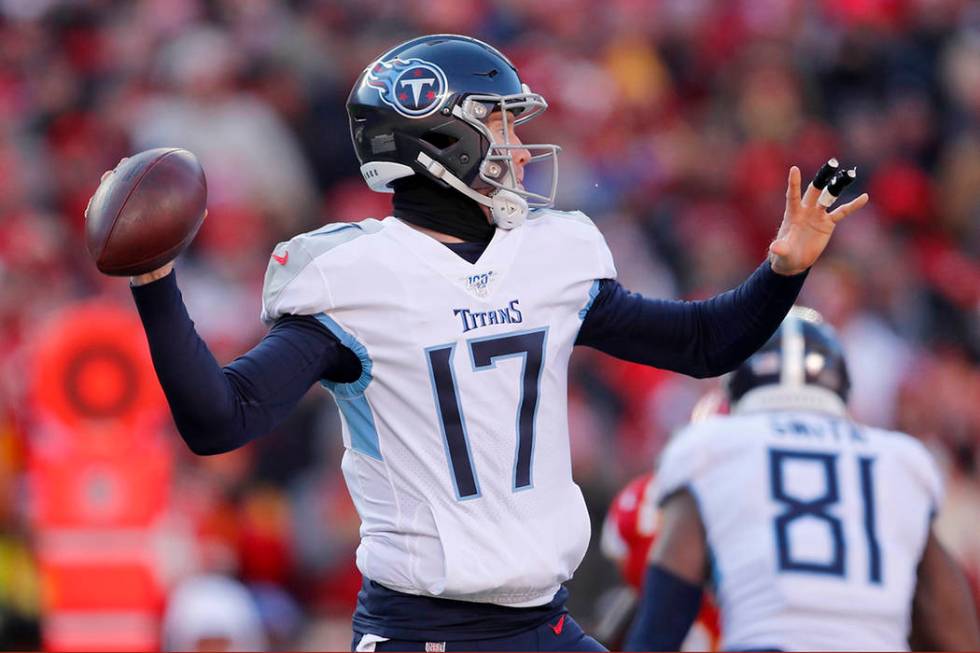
(414, 88)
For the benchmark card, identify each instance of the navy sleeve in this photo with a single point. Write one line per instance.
(219, 409)
(668, 607)
(702, 338)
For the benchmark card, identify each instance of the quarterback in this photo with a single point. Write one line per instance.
(444, 331)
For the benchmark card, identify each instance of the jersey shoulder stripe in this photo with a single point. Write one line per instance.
(291, 259)
(327, 237)
(298, 252)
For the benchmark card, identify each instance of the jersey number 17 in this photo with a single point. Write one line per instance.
(484, 354)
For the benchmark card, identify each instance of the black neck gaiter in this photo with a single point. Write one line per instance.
(424, 203)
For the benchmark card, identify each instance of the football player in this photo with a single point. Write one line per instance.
(815, 531)
(444, 333)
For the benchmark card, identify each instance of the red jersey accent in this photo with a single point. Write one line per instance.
(558, 626)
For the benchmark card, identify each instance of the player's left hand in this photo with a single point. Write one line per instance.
(806, 227)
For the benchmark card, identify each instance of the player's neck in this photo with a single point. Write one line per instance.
(441, 213)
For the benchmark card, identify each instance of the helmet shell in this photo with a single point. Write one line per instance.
(821, 358)
(402, 103)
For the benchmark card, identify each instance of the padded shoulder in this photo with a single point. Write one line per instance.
(293, 281)
(685, 458)
(578, 226)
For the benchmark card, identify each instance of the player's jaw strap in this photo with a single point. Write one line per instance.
(507, 209)
(440, 172)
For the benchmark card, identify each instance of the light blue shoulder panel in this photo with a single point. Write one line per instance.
(291, 257)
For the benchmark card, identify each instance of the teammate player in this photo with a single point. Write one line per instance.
(816, 530)
(443, 333)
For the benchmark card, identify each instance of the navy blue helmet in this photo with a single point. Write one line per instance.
(421, 108)
(804, 353)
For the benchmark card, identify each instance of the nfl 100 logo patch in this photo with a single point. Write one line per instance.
(480, 283)
(412, 87)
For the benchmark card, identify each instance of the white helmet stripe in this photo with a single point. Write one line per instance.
(793, 373)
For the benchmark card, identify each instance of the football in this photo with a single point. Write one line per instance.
(146, 211)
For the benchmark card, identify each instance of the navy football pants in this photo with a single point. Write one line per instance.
(561, 634)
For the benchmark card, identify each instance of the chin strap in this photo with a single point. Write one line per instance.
(507, 209)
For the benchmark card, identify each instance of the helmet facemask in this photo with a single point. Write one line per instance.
(498, 170)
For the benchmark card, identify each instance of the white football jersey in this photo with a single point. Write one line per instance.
(456, 434)
(815, 525)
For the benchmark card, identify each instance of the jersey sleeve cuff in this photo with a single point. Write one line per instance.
(154, 292)
(782, 280)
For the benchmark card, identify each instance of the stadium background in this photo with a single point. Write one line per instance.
(678, 120)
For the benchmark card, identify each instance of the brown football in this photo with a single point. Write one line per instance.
(146, 211)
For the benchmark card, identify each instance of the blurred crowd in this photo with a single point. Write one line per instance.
(678, 121)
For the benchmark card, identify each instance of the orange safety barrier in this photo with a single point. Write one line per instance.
(100, 473)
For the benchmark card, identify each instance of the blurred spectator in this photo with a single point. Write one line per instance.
(678, 120)
(251, 158)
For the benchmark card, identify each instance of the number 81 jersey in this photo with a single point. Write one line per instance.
(456, 435)
(816, 526)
